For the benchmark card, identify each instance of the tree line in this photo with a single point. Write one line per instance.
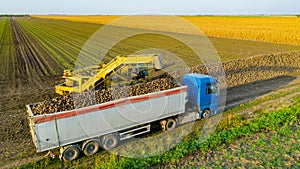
(8, 15)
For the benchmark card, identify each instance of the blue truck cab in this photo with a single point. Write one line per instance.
(202, 92)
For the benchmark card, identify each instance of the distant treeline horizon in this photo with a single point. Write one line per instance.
(9, 15)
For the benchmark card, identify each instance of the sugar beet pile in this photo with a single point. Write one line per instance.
(238, 72)
(74, 101)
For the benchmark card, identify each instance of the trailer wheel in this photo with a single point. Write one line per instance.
(91, 148)
(171, 124)
(70, 153)
(109, 141)
(206, 113)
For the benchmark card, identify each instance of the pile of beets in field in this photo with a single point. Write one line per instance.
(251, 69)
(75, 101)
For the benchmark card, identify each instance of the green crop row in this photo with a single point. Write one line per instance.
(6, 50)
(271, 121)
(62, 40)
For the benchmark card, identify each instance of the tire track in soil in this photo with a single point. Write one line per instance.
(32, 60)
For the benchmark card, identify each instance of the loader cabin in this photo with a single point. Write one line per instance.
(203, 93)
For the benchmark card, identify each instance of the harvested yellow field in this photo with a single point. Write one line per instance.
(280, 30)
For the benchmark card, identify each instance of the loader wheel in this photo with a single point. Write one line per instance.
(206, 114)
(70, 153)
(91, 148)
(171, 124)
(110, 141)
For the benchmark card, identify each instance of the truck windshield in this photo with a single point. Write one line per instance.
(213, 89)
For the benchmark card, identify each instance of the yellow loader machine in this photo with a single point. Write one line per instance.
(121, 71)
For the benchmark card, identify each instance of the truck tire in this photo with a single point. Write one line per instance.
(206, 113)
(91, 147)
(110, 141)
(70, 153)
(171, 124)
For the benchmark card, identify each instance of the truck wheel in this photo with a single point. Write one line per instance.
(206, 114)
(171, 124)
(91, 148)
(70, 153)
(110, 141)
